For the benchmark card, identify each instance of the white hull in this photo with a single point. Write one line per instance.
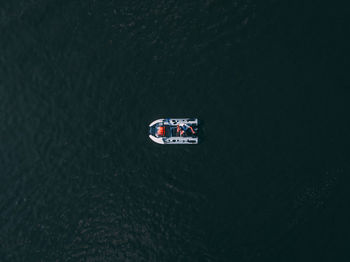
(171, 136)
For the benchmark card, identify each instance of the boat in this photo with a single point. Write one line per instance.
(174, 131)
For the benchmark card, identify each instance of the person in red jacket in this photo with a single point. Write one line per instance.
(182, 129)
(161, 131)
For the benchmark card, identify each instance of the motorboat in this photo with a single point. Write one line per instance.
(174, 131)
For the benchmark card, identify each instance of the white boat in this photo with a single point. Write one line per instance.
(174, 131)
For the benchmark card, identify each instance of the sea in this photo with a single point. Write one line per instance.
(81, 80)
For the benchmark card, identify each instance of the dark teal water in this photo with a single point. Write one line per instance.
(79, 178)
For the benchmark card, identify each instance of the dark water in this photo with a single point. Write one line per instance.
(81, 80)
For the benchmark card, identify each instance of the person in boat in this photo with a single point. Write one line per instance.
(182, 129)
(161, 131)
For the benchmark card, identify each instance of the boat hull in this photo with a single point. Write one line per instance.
(171, 137)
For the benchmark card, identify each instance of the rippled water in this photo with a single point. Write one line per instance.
(81, 80)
